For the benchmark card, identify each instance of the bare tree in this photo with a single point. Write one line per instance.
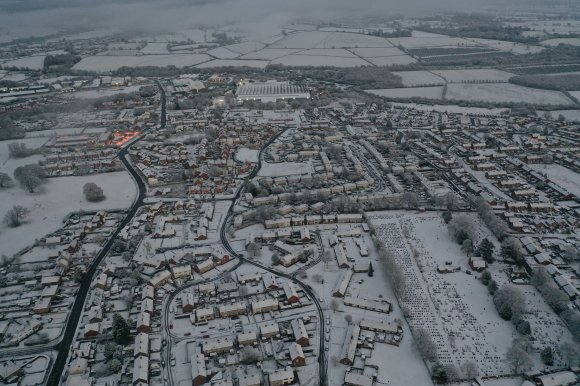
(5, 180)
(15, 216)
(348, 319)
(518, 359)
(275, 258)
(470, 370)
(334, 305)
(254, 249)
(424, 344)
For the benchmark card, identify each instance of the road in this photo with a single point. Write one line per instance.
(64, 346)
(322, 361)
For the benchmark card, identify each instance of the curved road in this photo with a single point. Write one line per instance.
(63, 347)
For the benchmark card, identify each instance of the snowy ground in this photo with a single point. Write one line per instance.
(234, 63)
(556, 42)
(454, 109)
(505, 93)
(562, 176)
(285, 169)
(570, 115)
(245, 154)
(104, 92)
(60, 196)
(101, 63)
(410, 92)
(420, 78)
(27, 62)
(458, 76)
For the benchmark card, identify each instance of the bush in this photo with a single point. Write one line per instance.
(547, 356)
(486, 278)
(93, 192)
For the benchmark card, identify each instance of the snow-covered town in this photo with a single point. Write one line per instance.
(202, 208)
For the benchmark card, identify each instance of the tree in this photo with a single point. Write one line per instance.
(447, 216)
(462, 228)
(492, 287)
(517, 358)
(522, 326)
(547, 356)
(14, 217)
(115, 366)
(120, 330)
(348, 319)
(439, 373)
(334, 305)
(253, 249)
(485, 249)
(425, 345)
(511, 249)
(275, 258)
(554, 297)
(93, 192)
(505, 311)
(29, 176)
(470, 370)
(509, 301)
(485, 278)
(19, 150)
(5, 181)
(371, 270)
(467, 246)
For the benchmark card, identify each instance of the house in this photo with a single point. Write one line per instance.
(235, 309)
(290, 292)
(349, 347)
(297, 355)
(199, 373)
(342, 285)
(188, 302)
(477, 264)
(247, 338)
(217, 345)
(204, 314)
(144, 322)
(141, 346)
(281, 377)
(354, 379)
(300, 333)
(263, 306)
(269, 330)
(92, 330)
(141, 370)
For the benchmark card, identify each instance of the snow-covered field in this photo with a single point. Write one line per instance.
(455, 109)
(555, 42)
(516, 48)
(575, 94)
(428, 42)
(104, 92)
(60, 196)
(271, 53)
(285, 169)
(223, 53)
(333, 52)
(103, 63)
(312, 60)
(377, 52)
(27, 62)
(400, 60)
(505, 93)
(155, 49)
(234, 63)
(456, 308)
(316, 39)
(419, 78)
(244, 154)
(570, 115)
(410, 92)
(245, 47)
(566, 178)
(484, 75)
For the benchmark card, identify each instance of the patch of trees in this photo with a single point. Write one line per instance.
(60, 62)
(93, 192)
(20, 150)
(497, 226)
(512, 250)
(548, 82)
(15, 216)
(8, 130)
(518, 355)
(121, 330)
(510, 304)
(30, 176)
(397, 33)
(5, 180)
(489, 282)
(485, 249)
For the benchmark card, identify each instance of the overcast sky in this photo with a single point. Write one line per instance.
(172, 15)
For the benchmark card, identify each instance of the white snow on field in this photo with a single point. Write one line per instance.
(377, 52)
(555, 42)
(107, 92)
(60, 196)
(428, 42)
(484, 75)
(400, 60)
(575, 94)
(339, 52)
(27, 62)
(7, 164)
(566, 178)
(223, 53)
(312, 60)
(285, 169)
(506, 93)
(570, 115)
(419, 78)
(12, 76)
(516, 48)
(155, 49)
(245, 154)
(303, 40)
(234, 63)
(195, 35)
(245, 47)
(343, 39)
(271, 53)
(410, 92)
(454, 109)
(112, 63)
